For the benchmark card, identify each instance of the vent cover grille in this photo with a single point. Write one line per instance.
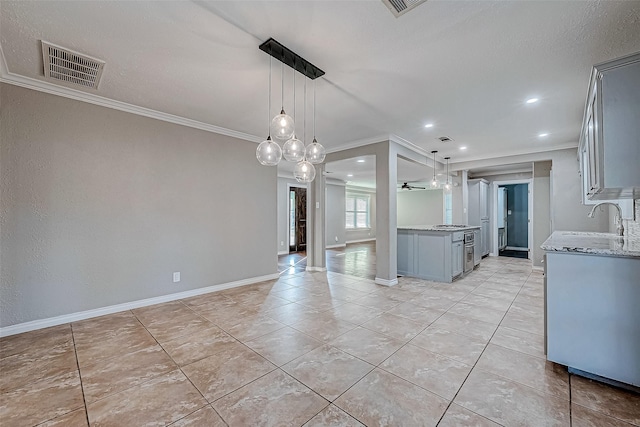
(71, 67)
(400, 7)
(445, 139)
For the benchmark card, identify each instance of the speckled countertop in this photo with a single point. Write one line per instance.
(592, 243)
(438, 228)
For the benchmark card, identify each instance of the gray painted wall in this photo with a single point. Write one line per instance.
(541, 209)
(99, 207)
(335, 215)
(420, 207)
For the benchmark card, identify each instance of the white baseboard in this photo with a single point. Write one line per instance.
(360, 241)
(516, 248)
(283, 253)
(385, 282)
(343, 245)
(319, 269)
(535, 267)
(82, 315)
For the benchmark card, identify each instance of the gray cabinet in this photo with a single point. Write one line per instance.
(592, 321)
(430, 255)
(478, 213)
(609, 137)
(477, 246)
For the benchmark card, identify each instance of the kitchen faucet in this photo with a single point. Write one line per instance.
(619, 226)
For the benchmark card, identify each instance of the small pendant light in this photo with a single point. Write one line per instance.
(293, 149)
(447, 186)
(282, 126)
(268, 152)
(315, 151)
(434, 182)
(304, 170)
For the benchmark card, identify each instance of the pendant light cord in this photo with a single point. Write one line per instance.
(314, 110)
(282, 84)
(304, 125)
(294, 94)
(269, 100)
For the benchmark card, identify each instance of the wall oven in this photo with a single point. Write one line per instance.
(468, 252)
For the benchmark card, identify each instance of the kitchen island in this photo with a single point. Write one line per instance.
(434, 252)
(592, 300)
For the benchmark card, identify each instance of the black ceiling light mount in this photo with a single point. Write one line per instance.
(290, 58)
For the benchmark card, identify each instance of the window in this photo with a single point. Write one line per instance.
(357, 211)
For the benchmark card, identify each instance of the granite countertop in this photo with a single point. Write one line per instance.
(438, 228)
(592, 243)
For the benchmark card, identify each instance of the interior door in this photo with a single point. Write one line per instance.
(297, 219)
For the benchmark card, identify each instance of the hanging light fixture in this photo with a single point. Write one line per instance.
(434, 182)
(315, 151)
(293, 150)
(448, 186)
(268, 152)
(282, 125)
(304, 170)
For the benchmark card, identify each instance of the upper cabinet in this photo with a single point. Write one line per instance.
(610, 136)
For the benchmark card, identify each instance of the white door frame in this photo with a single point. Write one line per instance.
(494, 213)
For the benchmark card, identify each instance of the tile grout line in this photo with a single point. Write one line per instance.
(75, 351)
(178, 366)
(478, 359)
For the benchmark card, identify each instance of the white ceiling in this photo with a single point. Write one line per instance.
(465, 66)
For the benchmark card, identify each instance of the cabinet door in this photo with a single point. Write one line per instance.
(457, 258)
(477, 246)
(593, 147)
(484, 200)
(485, 238)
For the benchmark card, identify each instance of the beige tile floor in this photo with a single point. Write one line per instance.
(312, 349)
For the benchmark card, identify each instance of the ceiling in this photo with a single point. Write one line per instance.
(467, 67)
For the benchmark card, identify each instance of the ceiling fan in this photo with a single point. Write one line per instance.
(406, 186)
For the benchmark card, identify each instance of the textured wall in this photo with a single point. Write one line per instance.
(99, 207)
(420, 207)
(335, 215)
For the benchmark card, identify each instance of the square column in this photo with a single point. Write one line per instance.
(387, 215)
(316, 257)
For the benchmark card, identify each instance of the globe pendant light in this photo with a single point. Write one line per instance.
(268, 152)
(293, 149)
(434, 182)
(282, 125)
(315, 151)
(447, 187)
(304, 170)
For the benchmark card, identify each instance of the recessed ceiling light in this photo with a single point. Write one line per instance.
(349, 175)
(429, 125)
(532, 100)
(360, 160)
(463, 148)
(542, 135)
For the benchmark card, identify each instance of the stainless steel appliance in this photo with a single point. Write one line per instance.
(468, 252)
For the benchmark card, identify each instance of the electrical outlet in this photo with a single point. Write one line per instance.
(336, 238)
(176, 276)
(281, 242)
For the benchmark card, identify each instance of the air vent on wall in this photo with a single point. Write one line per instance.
(445, 139)
(400, 7)
(71, 67)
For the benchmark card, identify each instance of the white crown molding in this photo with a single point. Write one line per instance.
(359, 143)
(515, 153)
(53, 89)
(410, 145)
(74, 317)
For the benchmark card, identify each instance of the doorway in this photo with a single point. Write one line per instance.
(513, 220)
(297, 219)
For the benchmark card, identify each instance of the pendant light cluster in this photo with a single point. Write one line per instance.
(435, 184)
(282, 126)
